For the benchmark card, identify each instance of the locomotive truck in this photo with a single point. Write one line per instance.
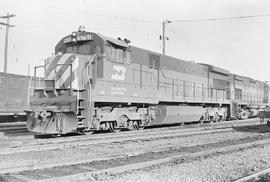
(94, 82)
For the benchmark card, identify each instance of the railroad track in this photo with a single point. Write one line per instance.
(18, 130)
(50, 144)
(13, 129)
(87, 169)
(111, 138)
(29, 143)
(261, 176)
(104, 139)
(12, 125)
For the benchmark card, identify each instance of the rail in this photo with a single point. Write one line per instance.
(254, 176)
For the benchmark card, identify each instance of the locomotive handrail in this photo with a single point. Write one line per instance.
(90, 62)
(28, 92)
(88, 78)
(166, 77)
(128, 83)
(35, 74)
(207, 97)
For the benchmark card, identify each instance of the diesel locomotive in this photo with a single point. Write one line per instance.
(94, 82)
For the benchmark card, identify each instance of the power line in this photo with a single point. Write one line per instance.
(199, 47)
(5, 24)
(96, 27)
(98, 14)
(129, 27)
(205, 51)
(219, 19)
(118, 17)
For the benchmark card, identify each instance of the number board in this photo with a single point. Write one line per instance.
(78, 38)
(84, 37)
(67, 40)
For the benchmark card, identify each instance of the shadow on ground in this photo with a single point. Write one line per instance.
(46, 136)
(260, 128)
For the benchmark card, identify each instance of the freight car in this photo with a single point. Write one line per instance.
(14, 96)
(94, 82)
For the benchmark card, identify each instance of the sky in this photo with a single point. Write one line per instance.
(241, 46)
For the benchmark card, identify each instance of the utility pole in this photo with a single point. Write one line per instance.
(164, 38)
(8, 16)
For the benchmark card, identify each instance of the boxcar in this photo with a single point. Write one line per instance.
(14, 96)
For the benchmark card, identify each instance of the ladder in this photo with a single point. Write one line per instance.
(81, 108)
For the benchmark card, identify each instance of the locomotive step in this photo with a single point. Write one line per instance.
(79, 90)
(81, 117)
(51, 89)
(81, 108)
(80, 126)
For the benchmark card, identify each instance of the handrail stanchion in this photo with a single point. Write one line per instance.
(35, 75)
(70, 80)
(35, 68)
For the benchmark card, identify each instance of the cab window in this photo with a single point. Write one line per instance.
(115, 54)
(127, 57)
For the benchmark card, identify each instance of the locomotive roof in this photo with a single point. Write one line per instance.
(124, 44)
(216, 69)
(243, 78)
(88, 36)
(114, 41)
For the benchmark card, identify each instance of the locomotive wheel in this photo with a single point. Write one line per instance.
(112, 127)
(211, 119)
(262, 120)
(138, 126)
(268, 123)
(132, 125)
(102, 126)
(202, 120)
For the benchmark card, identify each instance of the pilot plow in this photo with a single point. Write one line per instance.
(49, 122)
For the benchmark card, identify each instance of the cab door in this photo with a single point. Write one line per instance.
(154, 65)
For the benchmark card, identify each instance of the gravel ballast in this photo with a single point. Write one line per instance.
(97, 151)
(224, 167)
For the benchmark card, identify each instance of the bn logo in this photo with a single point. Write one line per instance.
(118, 72)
